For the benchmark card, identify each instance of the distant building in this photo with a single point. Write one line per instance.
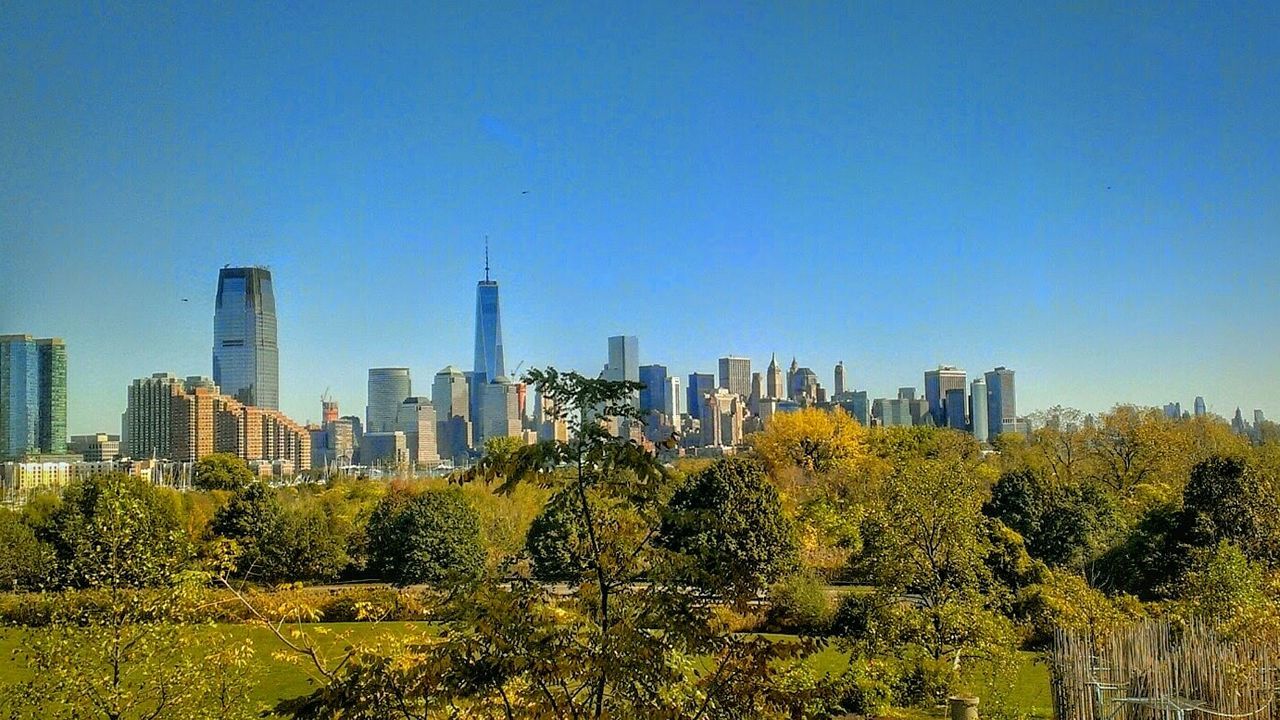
(489, 362)
(757, 393)
(385, 449)
(839, 386)
(33, 396)
(723, 414)
(978, 409)
(1237, 423)
(1173, 410)
(673, 400)
(700, 384)
(624, 358)
(501, 410)
(936, 384)
(804, 386)
(906, 393)
(357, 435)
(856, 404)
(95, 448)
(451, 397)
(1258, 419)
(653, 394)
(735, 375)
(1002, 408)
(892, 412)
(328, 411)
(417, 420)
(246, 358)
(388, 387)
(1200, 408)
(775, 385)
(202, 421)
(954, 403)
(146, 429)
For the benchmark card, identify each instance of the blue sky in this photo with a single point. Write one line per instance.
(1087, 194)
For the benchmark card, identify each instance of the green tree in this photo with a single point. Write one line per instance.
(222, 471)
(26, 564)
(426, 536)
(251, 518)
(117, 517)
(727, 520)
(557, 541)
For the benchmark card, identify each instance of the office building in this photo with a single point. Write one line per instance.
(1173, 410)
(624, 359)
(757, 393)
(1200, 408)
(978, 409)
(500, 410)
(388, 450)
(805, 387)
(1002, 408)
(936, 384)
(723, 414)
(33, 396)
(246, 359)
(892, 412)
(735, 375)
(1258, 419)
(489, 362)
(699, 385)
(388, 387)
(451, 396)
(416, 418)
(673, 400)
(654, 393)
(98, 447)
(839, 386)
(775, 385)
(955, 406)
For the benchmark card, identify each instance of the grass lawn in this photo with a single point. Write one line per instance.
(283, 679)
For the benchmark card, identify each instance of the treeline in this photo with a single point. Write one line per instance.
(584, 579)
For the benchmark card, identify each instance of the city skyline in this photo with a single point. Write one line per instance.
(1085, 196)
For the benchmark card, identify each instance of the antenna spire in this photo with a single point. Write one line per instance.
(486, 258)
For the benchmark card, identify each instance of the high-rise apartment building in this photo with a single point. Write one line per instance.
(735, 375)
(146, 430)
(775, 384)
(33, 396)
(936, 384)
(246, 359)
(388, 387)
(699, 385)
(653, 394)
(978, 409)
(1002, 407)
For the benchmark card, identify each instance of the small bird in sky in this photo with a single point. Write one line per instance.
(186, 300)
(524, 192)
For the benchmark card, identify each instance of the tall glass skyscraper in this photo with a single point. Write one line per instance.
(489, 363)
(246, 359)
(388, 388)
(33, 395)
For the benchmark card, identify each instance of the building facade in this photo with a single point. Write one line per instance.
(417, 420)
(775, 384)
(978, 409)
(33, 396)
(936, 384)
(1002, 406)
(246, 358)
(653, 394)
(388, 387)
(735, 375)
(699, 385)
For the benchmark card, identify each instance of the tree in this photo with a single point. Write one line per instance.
(1225, 499)
(426, 536)
(728, 522)
(557, 541)
(116, 518)
(514, 648)
(222, 471)
(26, 564)
(128, 652)
(251, 518)
(816, 441)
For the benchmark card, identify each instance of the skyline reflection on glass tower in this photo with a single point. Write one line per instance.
(246, 359)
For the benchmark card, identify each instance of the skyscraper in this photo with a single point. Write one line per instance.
(146, 430)
(673, 400)
(449, 394)
(624, 358)
(775, 384)
(1002, 408)
(246, 359)
(699, 384)
(388, 387)
(954, 405)
(839, 386)
(489, 363)
(417, 420)
(735, 375)
(936, 384)
(1201, 410)
(653, 394)
(501, 413)
(978, 409)
(33, 395)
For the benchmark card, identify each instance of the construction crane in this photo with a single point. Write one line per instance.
(515, 374)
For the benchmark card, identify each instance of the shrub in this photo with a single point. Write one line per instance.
(799, 604)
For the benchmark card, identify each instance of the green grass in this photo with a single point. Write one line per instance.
(280, 679)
